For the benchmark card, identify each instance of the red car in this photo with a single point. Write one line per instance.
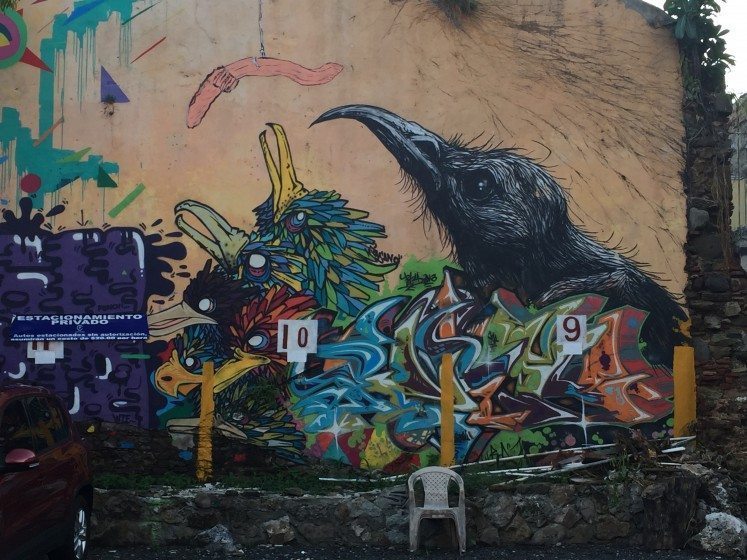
(45, 478)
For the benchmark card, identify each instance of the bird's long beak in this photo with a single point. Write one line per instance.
(223, 242)
(173, 379)
(175, 318)
(240, 364)
(285, 185)
(417, 150)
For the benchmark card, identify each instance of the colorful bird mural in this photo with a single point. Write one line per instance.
(308, 240)
(309, 251)
(210, 300)
(250, 382)
(370, 396)
(335, 240)
(253, 259)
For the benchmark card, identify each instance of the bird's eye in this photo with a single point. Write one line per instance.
(257, 260)
(258, 268)
(479, 186)
(192, 363)
(206, 305)
(296, 222)
(258, 341)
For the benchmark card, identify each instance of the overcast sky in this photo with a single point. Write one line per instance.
(733, 16)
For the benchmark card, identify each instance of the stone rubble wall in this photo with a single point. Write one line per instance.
(657, 514)
(716, 293)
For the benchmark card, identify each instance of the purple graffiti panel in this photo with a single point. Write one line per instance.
(79, 272)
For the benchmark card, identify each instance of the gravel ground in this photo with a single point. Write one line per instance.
(495, 553)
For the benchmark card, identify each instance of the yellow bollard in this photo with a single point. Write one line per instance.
(684, 390)
(207, 419)
(446, 379)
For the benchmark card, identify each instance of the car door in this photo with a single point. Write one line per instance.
(21, 501)
(64, 457)
(53, 467)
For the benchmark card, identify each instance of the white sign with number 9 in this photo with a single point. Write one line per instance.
(571, 333)
(297, 338)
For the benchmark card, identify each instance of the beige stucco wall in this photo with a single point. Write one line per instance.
(586, 86)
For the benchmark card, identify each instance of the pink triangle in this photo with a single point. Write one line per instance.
(32, 60)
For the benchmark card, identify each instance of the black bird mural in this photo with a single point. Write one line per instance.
(208, 304)
(506, 219)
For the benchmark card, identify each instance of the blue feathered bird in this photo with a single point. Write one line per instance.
(309, 241)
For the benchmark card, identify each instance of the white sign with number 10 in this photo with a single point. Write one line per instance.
(571, 333)
(297, 338)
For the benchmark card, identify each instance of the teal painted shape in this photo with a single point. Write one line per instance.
(44, 160)
(90, 15)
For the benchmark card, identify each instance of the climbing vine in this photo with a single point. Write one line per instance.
(706, 106)
(702, 41)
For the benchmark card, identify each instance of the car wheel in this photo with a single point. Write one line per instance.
(76, 538)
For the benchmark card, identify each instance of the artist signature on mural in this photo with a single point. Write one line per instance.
(414, 280)
(382, 257)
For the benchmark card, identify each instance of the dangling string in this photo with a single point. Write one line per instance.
(262, 52)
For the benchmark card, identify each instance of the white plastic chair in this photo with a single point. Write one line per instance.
(436, 482)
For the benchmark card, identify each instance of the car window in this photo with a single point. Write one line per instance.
(42, 423)
(60, 428)
(15, 432)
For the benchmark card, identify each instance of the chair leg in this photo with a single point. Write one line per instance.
(462, 534)
(414, 533)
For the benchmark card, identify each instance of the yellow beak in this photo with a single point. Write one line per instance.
(173, 379)
(285, 185)
(241, 364)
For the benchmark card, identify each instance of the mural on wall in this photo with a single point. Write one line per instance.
(370, 395)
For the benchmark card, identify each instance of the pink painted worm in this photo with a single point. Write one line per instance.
(225, 78)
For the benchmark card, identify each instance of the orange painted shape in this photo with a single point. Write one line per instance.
(685, 412)
(207, 421)
(632, 396)
(447, 410)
